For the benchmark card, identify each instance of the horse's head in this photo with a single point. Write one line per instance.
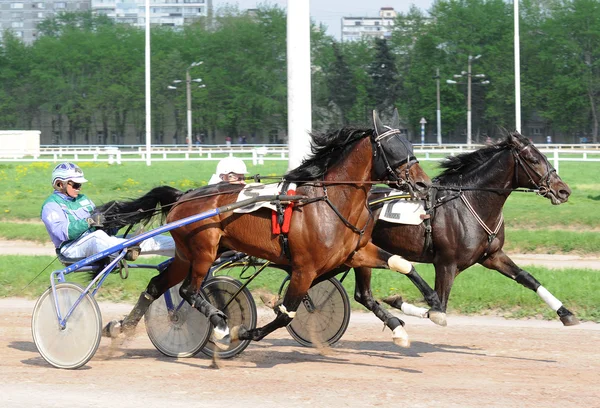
(393, 158)
(533, 170)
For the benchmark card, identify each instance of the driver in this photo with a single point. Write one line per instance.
(72, 226)
(230, 170)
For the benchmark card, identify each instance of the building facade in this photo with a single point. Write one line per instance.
(172, 13)
(358, 28)
(23, 16)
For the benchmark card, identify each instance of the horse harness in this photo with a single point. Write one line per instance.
(430, 208)
(542, 185)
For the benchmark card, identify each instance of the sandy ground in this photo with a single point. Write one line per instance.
(474, 362)
(17, 247)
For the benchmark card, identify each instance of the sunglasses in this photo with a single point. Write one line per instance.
(235, 177)
(76, 186)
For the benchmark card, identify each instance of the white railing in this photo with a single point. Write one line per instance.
(258, 154)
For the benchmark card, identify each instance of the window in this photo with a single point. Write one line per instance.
(40, 15)
(41, 5)
(16, 5)
(17, 24)
(19, 34)
(376, 23)
(357, 23)
(60, 5)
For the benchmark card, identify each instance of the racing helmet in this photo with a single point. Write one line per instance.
(67, 171)
(231, 165)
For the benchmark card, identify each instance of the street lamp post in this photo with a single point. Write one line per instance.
(439, 112)
(469, 75)
(188, 84)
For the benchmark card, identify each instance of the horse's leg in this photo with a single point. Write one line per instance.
(300, 282)
(445, 272)
(157, 286)
(500, 262)
(374, 257)
(190, 291)
(364, 296)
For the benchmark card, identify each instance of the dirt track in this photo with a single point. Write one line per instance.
(474, 362)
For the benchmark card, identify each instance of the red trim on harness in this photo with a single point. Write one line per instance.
(287, 217)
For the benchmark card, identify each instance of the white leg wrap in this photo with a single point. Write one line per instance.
(549, 298)
(412, 310)
(282, 309)
(399, 264)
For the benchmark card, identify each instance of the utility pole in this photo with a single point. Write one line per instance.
(469, 75)
(439, 112)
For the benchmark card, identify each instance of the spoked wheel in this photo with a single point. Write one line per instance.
(75, 344)
(178, 332)
(219, 291)
(323, 315)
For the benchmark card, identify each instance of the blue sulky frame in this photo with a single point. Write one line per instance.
(87, 264)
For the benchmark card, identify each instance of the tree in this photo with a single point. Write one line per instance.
(384, 88)
(341, 85)
(570, 39)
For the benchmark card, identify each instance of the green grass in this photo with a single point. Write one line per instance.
(24, 187)
(533, 224)
(476, 291)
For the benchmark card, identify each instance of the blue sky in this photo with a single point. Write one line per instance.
(330, 12)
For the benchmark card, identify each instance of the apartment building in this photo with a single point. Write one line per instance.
(173, 13)
(357, 28)
(23, 16)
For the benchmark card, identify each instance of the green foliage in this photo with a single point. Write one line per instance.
(86, 72)
(340, 82)
(383, 90)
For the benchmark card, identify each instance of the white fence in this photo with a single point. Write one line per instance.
(258, 154)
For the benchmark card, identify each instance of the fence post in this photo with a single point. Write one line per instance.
(556, 160)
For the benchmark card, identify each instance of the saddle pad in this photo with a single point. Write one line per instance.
(253, 190)
(403, 211)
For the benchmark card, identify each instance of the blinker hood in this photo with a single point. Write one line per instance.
(392, 150)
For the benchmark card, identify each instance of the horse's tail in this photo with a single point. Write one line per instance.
(119, 214)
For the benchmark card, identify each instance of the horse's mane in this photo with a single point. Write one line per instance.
(327, 150)
(464, 163)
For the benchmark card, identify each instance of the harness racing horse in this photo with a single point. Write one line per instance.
(467, 226)
(330, 227)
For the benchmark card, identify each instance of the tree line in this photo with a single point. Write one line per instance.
(85, 74)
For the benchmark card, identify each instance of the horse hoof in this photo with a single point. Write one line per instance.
(112, 329)
(222, 344)
(237, 332)
(393, 301)
(569, 320)
(400, 337)
(438, 318)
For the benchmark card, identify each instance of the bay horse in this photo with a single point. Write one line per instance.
(332, 226)
(467, 226)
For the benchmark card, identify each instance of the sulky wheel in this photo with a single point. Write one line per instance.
(219, 291)
(75, 344)
(323, 315)
(179, 330)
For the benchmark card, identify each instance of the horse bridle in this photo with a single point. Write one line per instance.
(391, 173)
(543, 183)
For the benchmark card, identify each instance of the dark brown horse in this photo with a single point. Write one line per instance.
(331, 227)
(467, 226)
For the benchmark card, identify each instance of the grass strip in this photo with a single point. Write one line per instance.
(476, 291)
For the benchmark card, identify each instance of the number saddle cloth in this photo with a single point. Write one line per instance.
(281, 217)
(402, 211)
